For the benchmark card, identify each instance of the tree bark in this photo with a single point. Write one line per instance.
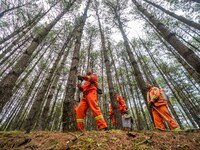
(180, 18)
(112, 93)
(68, 118)
(8, 82)
(183, 50)
(177, 93)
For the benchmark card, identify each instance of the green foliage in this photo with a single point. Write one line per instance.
(51, 34)
(89, 140)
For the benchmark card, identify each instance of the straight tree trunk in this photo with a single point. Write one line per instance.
(14, 51)
(18, 84)
(176, 92)
(8, 82)
(149, 124)
(50, 117)
(183, 50)
(89, 49)
(190, 70)
(24, 109)
(68, 118)
(13, 8)
(116, 72)
(55, 78)
(137, 73)
(28, 25)
(34, 83)
(15, 42)
(180, 18)
(197, 1)
(189, 33)
(112, 93)
(105, 103)
(22, 102)
(40, 97)
(188, 43)
(149, 76)
(139, 120)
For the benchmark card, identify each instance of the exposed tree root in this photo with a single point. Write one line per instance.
(26, 140)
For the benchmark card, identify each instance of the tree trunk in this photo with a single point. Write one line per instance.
(137, 73)
(68, 118)
(105, 103)
(39, 98)
(13, 8)
(8, 82)
(55, 79)
(176, 92)
(14, 51)
(22, 102)
(28, 25)
(183, 50)
(180, 18)
(116, 72)
(139, 120)
(190, 70)
(113, 98)
(197, 1)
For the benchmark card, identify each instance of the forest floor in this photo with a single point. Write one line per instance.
(101, 140)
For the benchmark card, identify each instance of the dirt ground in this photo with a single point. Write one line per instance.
(101, 140)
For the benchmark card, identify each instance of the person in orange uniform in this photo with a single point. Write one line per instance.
(89, 100)
(122, 107)
(158, 103)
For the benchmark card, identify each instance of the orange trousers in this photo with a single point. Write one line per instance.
(158, 119)
(89, 101)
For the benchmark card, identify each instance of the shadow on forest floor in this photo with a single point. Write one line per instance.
(101, 140)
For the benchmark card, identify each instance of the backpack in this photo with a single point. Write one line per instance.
(99, 91)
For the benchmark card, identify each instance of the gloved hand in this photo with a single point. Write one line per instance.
(151, 104)
(80, 77)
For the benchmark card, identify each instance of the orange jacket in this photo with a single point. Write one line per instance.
(121, 104)
(91, 83)
(154, 95)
